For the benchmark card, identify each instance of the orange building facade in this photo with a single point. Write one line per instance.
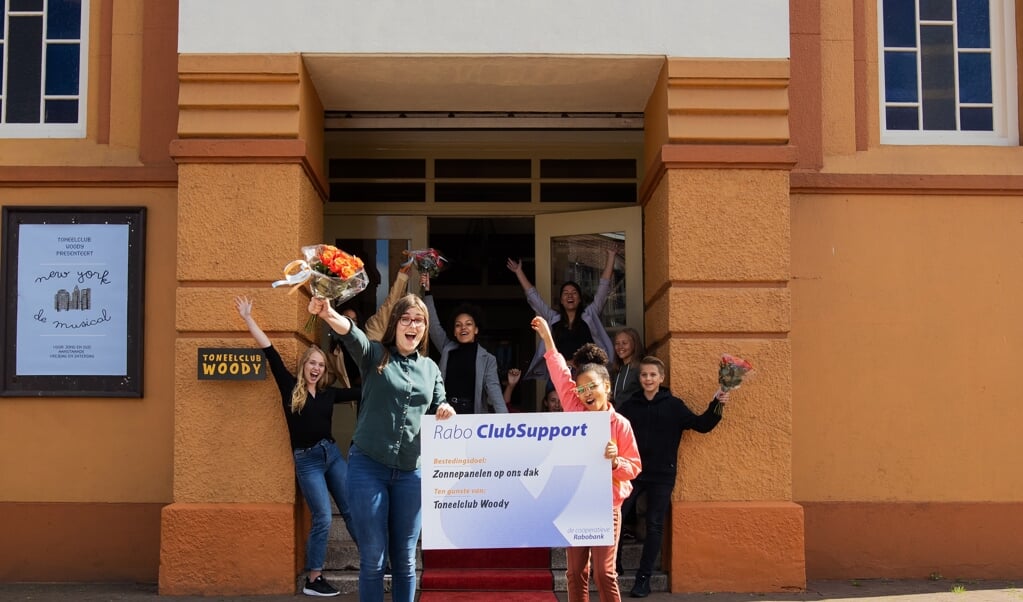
(871, 282)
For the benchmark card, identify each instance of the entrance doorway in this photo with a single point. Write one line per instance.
(553, 248)
(479, 248)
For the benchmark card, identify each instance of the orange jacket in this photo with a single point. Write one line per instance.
(629, 465)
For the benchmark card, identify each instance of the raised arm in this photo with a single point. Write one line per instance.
(244, 305)
(438, 336)
(516, 268)
(322, 308)
(543, 329)
(513, 379)
(609, 266)
(377, 323)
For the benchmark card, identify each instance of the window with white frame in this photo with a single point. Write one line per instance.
(43, 73)
(948, 72)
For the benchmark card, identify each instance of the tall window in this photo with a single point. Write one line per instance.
(948, 72)
(43, 72)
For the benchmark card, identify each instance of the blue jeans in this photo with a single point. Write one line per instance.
(322, 472)
(387, 508)
(658, 500)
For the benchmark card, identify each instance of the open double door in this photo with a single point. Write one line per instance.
(554, 248)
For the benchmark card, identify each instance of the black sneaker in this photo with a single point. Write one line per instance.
(319, 587)
(641, 589)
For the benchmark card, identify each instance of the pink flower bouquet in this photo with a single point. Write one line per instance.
(731, 371)
(428, 261)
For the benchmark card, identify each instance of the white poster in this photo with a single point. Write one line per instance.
(516, 481)
(72, 300)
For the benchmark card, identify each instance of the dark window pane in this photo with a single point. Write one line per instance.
(469, 193)
(937, 73)
(935, 10)
(377, 193)
(899, 23)
(482, 168)
(901, 118)
(19, 5)
(64, 20)
(974, 23)
(377, 168)
(25, 61)
(976, 119)
(587, 193)
(900, 77)
(62, 69)
(588, 169)
(974, 77)
(61, 111)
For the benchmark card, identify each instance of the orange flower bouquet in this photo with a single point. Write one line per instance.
(330, 272)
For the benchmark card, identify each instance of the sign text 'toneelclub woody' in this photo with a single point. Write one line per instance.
(231, 364)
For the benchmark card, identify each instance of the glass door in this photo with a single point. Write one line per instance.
(572, 246)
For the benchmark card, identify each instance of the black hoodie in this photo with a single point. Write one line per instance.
(658, 424)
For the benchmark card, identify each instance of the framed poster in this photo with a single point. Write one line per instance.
(73, 285)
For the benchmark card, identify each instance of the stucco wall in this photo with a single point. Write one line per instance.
(906, 335)
(79, 449)
(904, 320)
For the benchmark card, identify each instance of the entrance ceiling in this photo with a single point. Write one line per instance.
(483, 83)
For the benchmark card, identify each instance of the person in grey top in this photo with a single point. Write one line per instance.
(400, 385)
(469, 370)
(575, 322)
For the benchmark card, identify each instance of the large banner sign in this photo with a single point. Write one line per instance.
(516, 481)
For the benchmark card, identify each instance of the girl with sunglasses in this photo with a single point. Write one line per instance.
(590, 392)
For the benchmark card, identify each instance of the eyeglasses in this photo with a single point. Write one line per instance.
(409, 321)
(581, 389)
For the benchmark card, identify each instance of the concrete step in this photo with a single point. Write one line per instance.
(347, 582)
(342, 565)
(658, 582)
(628, 559)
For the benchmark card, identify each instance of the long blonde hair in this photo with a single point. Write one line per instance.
(300, 393)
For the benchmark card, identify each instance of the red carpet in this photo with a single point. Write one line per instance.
(488, 597)
(508, 575)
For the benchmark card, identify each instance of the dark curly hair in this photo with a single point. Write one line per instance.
(473, 311)
(590, 353)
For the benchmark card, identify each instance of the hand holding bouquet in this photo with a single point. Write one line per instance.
(731, 372)
(428, 261)
(330, 272)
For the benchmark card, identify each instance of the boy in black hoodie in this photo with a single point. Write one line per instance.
(658, 419)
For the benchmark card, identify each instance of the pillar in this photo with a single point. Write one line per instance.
(250, 194)
(717, 252)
